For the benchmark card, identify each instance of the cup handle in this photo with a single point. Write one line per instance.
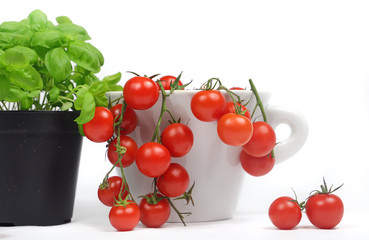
(299, 131)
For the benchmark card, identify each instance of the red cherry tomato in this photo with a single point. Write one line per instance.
(140, 93)
(154, 215)
(124, 218)
(153, 159)
(208, 105)
(262, 141)
(100, 128)
(234, 129)
(236, 88)
(178, 139)
(129, 122)
(285, 213)
(174, 182)
(108, 194)
(230, 109)
(167, 80)
(256, 166)
(129, 156)
(324, 210)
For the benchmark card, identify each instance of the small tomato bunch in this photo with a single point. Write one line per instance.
(323, 209)
(234, 126)
(153, 159)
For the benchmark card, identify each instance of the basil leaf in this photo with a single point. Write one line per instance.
(30, 54)
(4, 86)
(38, 20)
(26, 103)
(15, 27)
(73, 31)
(54, 94)
(8, 40)
(58, 64)
(48, 39)
(63, 19)
(33, 94)
(87, 110)
(15, 95)
(101, 100)
(28, 79)
(96, 52)
(113, 79)
(66, 106)
(115, 88)
(14, 58)
(98, 88)
(80, 53)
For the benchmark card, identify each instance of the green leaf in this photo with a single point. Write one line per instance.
(28, 79)
(96, 52)
(58, 64)
(41, 51)
(78, 78)
(30, 54)
(15, 27)
(98, 88)
(66, 106)
(73, 31)
(15, 94)
(115, 88)
(63, 19)
(54, 94)
(26, 103)
(38, 20)
(33, 94)
(101, 100)
(8, 40)
(47, 39)
(80, 53)
(4, 86)
(14, 58)
(88, 109)
(113, 79)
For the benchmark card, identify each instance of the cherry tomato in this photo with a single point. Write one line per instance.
(100, 128)
(124, 218)
(167, 80)
(234, 129)
(230, 109)
(154, 215)
(140, 93)
(174, 182)
(108, 194)
(208, 105)
(262, 141)
(256, 166)
(129, 122)
(236, 88)
(152, 159)
(285, 213)
(129, 156)
(324, 210)
(178, 139)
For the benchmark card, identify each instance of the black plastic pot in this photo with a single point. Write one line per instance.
(39, 160)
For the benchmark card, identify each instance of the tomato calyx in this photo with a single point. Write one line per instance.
(300, 204)
(138, 75)
(188, 196)
(153, 198)
(324, 189)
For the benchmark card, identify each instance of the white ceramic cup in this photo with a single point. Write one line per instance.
(213, 165)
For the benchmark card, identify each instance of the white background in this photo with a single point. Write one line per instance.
(312, 55)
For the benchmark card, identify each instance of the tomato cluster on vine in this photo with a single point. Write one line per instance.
(235, 127)
(153, 158)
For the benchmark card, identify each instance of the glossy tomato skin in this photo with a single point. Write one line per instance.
(129, 122)
(101, 127)
(124, 218)
(234, 129)
(178, 139)
(174, 182)
(129, 156)
(208, 105)
(109, 194)
(167, 80)
(140, 93)
(256, 166)
(154, 215)
(236, 88)
(262, 141)
(153, 159)
(285, 213)
(324, 210)
(231, 109)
